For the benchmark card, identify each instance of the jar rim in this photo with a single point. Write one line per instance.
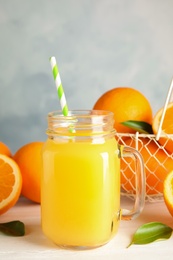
(80, 113)
(81, 123)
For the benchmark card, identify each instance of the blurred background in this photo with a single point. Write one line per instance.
(98, 44)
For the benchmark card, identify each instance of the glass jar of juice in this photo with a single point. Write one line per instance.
(80, 190)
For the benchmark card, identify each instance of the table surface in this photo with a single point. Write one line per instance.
(34, 245)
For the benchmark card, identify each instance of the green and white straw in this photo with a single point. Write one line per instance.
(59, 86)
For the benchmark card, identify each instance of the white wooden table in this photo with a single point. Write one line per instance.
(34, 245)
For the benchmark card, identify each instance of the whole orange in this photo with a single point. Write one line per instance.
(4, 149)
(157, 166)
(28, 157)
(126, 104)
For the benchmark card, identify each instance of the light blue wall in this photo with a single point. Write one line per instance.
(98, 44)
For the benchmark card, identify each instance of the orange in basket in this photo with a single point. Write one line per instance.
(126, 104)
(167, 127)
(157, 166)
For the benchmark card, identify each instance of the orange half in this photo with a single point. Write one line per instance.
(10, 183)
(167, 127)
(168, 192)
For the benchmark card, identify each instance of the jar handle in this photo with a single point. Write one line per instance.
(125, 151)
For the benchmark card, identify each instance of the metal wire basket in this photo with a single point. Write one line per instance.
(158, 162)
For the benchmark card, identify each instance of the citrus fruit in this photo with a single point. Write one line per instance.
(157, 166)
(126, 104)
(4, 149)
(168, 192)
(167, 127)
(10, 183)
(28, 157)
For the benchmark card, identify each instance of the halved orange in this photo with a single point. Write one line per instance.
(10, 183)
(168, 192)
(167, 127)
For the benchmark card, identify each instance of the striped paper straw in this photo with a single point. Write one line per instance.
(59, 86)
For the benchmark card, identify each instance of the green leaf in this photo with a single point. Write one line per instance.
(139, 126)
(151, 232)
(13, 228)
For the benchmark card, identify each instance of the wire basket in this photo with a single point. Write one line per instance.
(158, 162)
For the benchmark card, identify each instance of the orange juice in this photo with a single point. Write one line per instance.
(80, 192)
(80, 189)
